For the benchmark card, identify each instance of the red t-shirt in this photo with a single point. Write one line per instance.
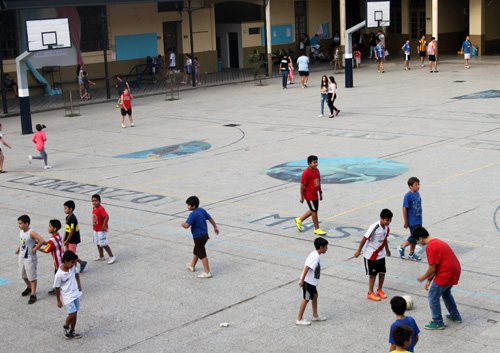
(127, 101)
(311, 179)
(98, 215)
(447, 266)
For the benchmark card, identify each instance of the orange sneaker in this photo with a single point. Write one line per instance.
(373, 296)
(381, 294)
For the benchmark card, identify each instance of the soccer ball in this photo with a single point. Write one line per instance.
(409, 302)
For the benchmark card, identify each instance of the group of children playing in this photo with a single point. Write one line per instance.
(67, 287)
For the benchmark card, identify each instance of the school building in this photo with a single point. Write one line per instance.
(223, 33)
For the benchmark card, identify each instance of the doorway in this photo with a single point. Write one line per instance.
(171, 40)
(234, 60)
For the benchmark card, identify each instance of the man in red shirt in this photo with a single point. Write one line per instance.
(310, 186)
(443, 273)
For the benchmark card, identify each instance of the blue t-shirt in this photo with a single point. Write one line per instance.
(303, 62)
(198, 222)
(467, 46)
(413, 204)
(379, 49)
(406, 48)
(314, 41)
(409, 321)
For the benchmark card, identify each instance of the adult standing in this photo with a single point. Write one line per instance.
(315, 46)
(284, 68)
(422, 49)
(373, 44)
(307, 45)
(303, 63)
(442, 274)
(79, 74)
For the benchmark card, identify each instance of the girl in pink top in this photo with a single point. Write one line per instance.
(39, 139)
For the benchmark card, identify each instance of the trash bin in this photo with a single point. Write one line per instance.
(219, 65)
(474, 50)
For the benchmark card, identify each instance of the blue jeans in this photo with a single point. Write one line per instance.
(324, 97)
(435, 293)
(284, 74)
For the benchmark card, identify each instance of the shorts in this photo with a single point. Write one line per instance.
(380, 60)
(303, 73)
(171, 68)
(422, 54)
(126, 111)
(70, 247)
(467, 56)
(374, 267)
(411, 239)
(313, 205)
(432, 57)
(199, 246)
(80, 81)
(308, 291)
(73, 307)
(27, 268)
(100, 238)
(407, 57)
(358, 60)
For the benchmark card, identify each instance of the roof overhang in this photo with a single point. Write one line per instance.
(37, 4)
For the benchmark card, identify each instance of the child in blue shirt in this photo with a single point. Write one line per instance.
(197, 220)
(380, 51)
(466, 47)
(412, 214)
(406, 49)
(398, 305)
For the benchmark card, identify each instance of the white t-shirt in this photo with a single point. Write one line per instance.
(376, 238)
(312, 261)
(303, 62)
(67, 284)
(1, 144)
(172, 59)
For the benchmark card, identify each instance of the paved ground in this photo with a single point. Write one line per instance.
(147, 301)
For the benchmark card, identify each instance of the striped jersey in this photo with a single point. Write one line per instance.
(55, 246)
(376, 238)
(422, 45)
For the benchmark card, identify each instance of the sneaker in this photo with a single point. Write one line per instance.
(205, 275)
(303, 322)
(320, 116)
(379, 71)
(422, 65)
(381, 294)
(406, 69)
(47, 167)
(431, 71)
(414, 257)
(434, 326)
(373, 296)
(436, 71)
(67, 333)
(82, 266)
(299, 225)
(132, 125)
(189, 267)
(409, 68)
(123, 126)
(30, 158)
(52, 291)
(305, 85)
(383, 71)
(112, 260)
(331, 116)
(74, 334)
(26, 292)
(318, 318)
(319, 231)
(401, 252)
(337, 112)
(32, 299)
(99, 258)
(458, 320)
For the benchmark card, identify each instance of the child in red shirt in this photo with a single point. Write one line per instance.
(39, 139)
(100, 220)
(125, 103)
(55, 246)
(310, 186)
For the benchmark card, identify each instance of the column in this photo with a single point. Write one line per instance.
(477, 23)
(342, 22)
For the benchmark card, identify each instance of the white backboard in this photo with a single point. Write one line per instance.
(48, 34)
(378, 13)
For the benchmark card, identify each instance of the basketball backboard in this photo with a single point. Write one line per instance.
(378, 13)
(48, 34)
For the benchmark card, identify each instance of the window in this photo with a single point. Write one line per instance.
(91, 20)
(8, 34)
(254, 30)
(167, 6)
(395, 27)
(300, 21)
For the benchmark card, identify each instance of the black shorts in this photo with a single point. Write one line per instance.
(432, 57)
(422, 53)
(380, 60)
(308, 291)
(304, 73)
(374, 267)
(313, 205)
(407, 57)
(199, 246)
(126, 111)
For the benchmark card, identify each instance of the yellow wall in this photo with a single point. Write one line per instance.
(251, 40)
(282, 12)
(318, 12)
(492, 22)
(203, 30)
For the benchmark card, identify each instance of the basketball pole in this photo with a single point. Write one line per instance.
(348, 54)
(24, 95)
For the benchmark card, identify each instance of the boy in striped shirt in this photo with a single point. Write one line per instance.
(375, 248)
(54, 246)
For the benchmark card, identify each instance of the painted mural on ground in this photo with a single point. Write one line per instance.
(492, 93)
(347, 170)
(169, 151)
